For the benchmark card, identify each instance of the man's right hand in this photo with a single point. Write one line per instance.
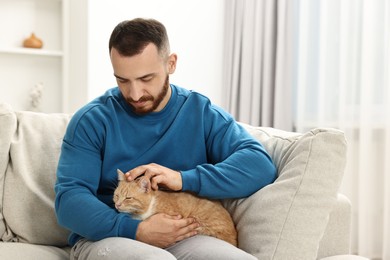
(163, 230)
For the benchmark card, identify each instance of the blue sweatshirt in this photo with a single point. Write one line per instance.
(217, 158)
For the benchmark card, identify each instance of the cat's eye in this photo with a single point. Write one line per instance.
(129, 198)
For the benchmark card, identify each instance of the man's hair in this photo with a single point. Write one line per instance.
(130, 37)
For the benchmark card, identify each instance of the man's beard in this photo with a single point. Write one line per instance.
(156, 101)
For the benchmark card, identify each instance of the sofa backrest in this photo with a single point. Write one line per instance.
(30, 147)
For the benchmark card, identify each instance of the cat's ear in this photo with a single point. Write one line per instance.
(145, 185)
(121, 175)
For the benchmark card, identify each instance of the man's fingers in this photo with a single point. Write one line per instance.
(189, 222)
(146, 170)
(135, 173)
(188, 231)
(163, 230)
(173, 216)
(187, 225)
(158, 175)
(155, 181)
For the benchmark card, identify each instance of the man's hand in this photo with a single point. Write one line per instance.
(163, 230)
(158, 175)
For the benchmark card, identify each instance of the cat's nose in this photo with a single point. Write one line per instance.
(117, 205)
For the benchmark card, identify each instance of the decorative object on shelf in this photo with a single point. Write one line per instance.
(33, 42)
(36, 97)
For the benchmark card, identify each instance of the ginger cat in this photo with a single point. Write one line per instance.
(141, 201)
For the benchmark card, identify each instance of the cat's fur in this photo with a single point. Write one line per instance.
(139, 199)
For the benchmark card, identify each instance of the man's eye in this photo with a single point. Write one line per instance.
(146, 79)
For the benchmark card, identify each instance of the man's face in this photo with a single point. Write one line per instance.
(143, 79)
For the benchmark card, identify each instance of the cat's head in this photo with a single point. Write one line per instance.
(132, 196)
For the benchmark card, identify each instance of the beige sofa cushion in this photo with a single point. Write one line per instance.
(23, 251)
(28, 202)
(7, 129)
(287, 219)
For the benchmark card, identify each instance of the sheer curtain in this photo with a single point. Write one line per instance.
(258, 62)
(343, 81)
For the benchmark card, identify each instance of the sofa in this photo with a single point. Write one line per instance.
(301, 215)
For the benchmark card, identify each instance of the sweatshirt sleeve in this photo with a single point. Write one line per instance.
(78, 174)
(238, 165)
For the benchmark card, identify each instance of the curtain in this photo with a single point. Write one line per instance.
(258, 59)
(343, 81)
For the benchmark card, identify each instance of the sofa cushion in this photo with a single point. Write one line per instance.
(336, 239)
(345, 257)
(287, 219)
(16, 251)
(28, 202)
(7, 129)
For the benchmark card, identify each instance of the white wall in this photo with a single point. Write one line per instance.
(81, 29)
(195, 29)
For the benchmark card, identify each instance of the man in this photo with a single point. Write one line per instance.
(147, 126)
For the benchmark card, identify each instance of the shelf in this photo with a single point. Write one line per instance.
(48, 20)
(31, 51)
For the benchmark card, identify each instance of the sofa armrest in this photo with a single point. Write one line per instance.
(336, 239)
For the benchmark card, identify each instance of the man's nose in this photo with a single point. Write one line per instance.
(135, 92)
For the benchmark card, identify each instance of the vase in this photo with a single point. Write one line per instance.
(33, 42)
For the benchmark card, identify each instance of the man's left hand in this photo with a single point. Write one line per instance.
(159, 176)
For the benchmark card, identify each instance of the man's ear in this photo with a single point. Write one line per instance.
(121, 175)
(145, 184)
(172, 60)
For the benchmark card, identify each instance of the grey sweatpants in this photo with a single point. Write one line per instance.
(197, 247)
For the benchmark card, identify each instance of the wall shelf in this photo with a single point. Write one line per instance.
(30, 51)
(21, 69)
